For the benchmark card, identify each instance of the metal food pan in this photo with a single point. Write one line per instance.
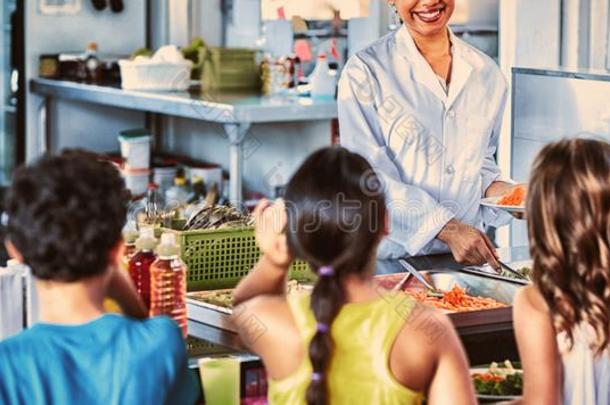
(475, 285)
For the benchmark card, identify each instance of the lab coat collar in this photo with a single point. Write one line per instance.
(423, 73)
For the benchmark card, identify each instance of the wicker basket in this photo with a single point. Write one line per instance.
(219, 259)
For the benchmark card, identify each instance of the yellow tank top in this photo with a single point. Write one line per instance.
(359, 371)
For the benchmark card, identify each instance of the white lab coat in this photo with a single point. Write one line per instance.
(433, 150)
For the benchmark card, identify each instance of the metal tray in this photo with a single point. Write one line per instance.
(482, 285)
(209, 314)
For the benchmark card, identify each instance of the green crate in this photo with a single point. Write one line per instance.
(229, 68)
(219, 259)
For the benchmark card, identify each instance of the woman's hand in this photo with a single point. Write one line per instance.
(469, 245)
(269, 225)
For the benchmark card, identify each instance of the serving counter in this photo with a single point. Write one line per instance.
(487, 335)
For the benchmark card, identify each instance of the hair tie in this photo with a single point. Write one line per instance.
(316, 377)
(326, 271)
(322, 327)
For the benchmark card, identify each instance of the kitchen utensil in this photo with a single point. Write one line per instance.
(511, 270)
(429, 287)
(401, 283)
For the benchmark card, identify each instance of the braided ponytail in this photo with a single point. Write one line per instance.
(327, 298)
(334, 205)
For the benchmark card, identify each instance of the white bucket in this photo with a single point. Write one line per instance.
(136, 151)
(136, 181)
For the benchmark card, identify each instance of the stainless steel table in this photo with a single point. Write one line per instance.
(485, 338)
(236, 111)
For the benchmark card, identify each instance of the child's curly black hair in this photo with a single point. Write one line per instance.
(66, 213)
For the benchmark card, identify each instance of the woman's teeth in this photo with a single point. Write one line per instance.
(429, 16)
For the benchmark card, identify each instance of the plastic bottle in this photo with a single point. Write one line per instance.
(178, 193)
(323, 83)
(168, 283)
(92, 64)
(130, 235)
(139, 265)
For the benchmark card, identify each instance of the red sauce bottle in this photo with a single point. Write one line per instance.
(139, 265)
(168, 283)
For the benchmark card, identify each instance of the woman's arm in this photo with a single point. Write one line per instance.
(270, 273)
(536, 340)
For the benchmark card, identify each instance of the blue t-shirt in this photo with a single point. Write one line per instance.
(111, 360)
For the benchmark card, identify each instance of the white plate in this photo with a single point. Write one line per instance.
(492, 397)
(492, 202)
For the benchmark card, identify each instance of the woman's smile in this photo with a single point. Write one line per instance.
(430, 15)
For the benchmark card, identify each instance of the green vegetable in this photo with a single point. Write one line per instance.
(504, 381)
(141, 52)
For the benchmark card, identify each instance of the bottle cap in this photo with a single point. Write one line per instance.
(92, 46)
(130, 234)
(168, 246)
(179, 181)
(146, 240)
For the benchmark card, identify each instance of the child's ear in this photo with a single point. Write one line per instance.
(12, 251)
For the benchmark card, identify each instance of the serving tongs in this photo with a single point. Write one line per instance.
(430, 289)
(512, 271)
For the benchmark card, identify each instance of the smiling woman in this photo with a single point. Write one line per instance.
(425, 109)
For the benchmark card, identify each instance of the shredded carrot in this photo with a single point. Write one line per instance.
(456, 300)
(515, 197)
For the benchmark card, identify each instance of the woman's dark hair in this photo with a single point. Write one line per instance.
(65, 214)
(568, 209)
(336, 212)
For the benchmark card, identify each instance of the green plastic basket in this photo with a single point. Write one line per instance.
(219, 259)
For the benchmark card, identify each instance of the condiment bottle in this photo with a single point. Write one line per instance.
(323, 83)
(139, 265)
(168, 282)
(130, 235)
(93, 64)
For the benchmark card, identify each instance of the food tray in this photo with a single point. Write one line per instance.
(476, 285)
(218, 259)
(209, 314)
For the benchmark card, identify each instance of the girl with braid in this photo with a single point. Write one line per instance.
(348, 341)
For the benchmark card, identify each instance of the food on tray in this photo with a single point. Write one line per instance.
(499, 380)
(515, 198)
(218, 217)
(224, 298)
(526, 271)
(456, 300)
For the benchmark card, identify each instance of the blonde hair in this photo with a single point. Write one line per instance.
(568, 208)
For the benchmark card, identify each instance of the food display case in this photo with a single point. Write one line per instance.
(551, 104)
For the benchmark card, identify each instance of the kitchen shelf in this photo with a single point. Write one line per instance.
(236, 111)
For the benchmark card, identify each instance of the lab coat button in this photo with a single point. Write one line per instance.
(450, 113)
(450, 169)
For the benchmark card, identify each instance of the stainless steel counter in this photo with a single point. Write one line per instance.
(236, 111)
(486, 335)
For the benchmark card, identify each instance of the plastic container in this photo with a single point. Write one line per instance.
(164, 177)
(218, 259)
(139, 265)
(323, 82)
(155, 76)
(209, 174)
(136, 181)
(168, 283)
(135, 148)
